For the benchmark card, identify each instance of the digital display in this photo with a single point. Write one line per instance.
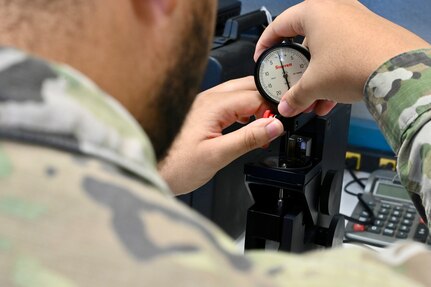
(392, 190)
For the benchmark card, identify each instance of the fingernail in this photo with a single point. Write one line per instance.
(274, 129)
(285, 109)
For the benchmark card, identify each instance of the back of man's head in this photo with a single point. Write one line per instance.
(148, 54)
(29, 24)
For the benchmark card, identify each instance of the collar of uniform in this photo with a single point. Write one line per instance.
(38, 97)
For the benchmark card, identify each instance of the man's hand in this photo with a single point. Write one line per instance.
(347, 43)
(200, 150)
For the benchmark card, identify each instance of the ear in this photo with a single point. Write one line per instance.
(154, 8)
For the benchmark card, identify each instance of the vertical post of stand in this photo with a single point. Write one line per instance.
(293, 230)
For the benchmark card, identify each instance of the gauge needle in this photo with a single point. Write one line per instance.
(284, 72)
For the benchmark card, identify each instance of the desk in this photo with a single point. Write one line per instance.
(348, 202)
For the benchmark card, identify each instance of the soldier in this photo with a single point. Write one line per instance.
(85, 86)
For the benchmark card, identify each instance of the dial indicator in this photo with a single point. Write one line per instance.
(279, 68)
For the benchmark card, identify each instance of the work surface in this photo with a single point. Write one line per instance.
(349, 202)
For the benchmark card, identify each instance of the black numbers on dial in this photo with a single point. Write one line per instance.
(280, 68)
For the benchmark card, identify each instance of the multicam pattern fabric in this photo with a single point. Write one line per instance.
(81, 203)
(398, 95)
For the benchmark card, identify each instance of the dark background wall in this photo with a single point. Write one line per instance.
(415, 15)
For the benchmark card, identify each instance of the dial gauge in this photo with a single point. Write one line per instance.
(280, 68)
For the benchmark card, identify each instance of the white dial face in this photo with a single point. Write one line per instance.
(280, 69)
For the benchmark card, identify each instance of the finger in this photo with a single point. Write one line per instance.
(263, 108)
(246, 84)
(305, 43)
(233, 106)
(288, 24)
(296, 100)
(243, 120)
(323, 107)
(310, 108)
(255, 135)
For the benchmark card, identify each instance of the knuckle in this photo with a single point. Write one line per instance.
(231, 84)
(203, 99)
(228, 85)
(250, 139)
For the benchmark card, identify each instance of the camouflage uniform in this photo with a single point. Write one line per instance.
(398, 95)
(81, 203)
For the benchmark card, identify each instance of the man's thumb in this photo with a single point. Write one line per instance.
(255, 135)
(294, 101)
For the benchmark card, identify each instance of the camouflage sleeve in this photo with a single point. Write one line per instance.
(398, 95)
